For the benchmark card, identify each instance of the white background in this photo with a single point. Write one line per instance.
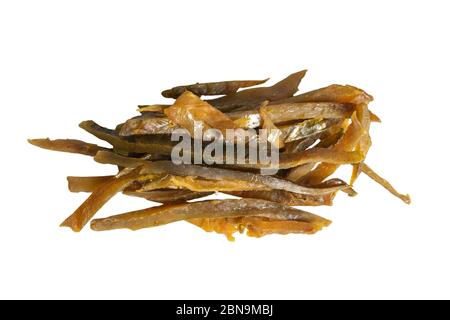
(62, 62)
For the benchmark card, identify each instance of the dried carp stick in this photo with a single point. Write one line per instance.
(156, 144)
(287, 198)
(374, 176)
(291, 160)
(68, 145)
(194, 183)
(211, 88)
(295, 199)
(167, 167)
(86, 184)
(90, 184)
(167, 196)
(332, 93)
(165, 214)
(285, 112)
(253, 97)
(307, 110)
(97, 199)
(189, 108)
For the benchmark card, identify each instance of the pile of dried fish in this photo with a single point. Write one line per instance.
(316, 132)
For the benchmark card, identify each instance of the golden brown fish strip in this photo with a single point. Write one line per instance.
(374, 176)
(293, 111)
(67, 145)
(290, 160)
(86, 184)
(211, 88)
(201, 185)
(287, 198)
(156, 144)
(308, 110)
(253, 97)
(97, 199)
(332, 93)
(161, 215)
(167, 167)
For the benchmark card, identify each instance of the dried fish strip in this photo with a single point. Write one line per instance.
(211, 88)
(161, 215)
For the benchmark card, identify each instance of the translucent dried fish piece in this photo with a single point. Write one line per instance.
(189, 109)
(287, 198)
